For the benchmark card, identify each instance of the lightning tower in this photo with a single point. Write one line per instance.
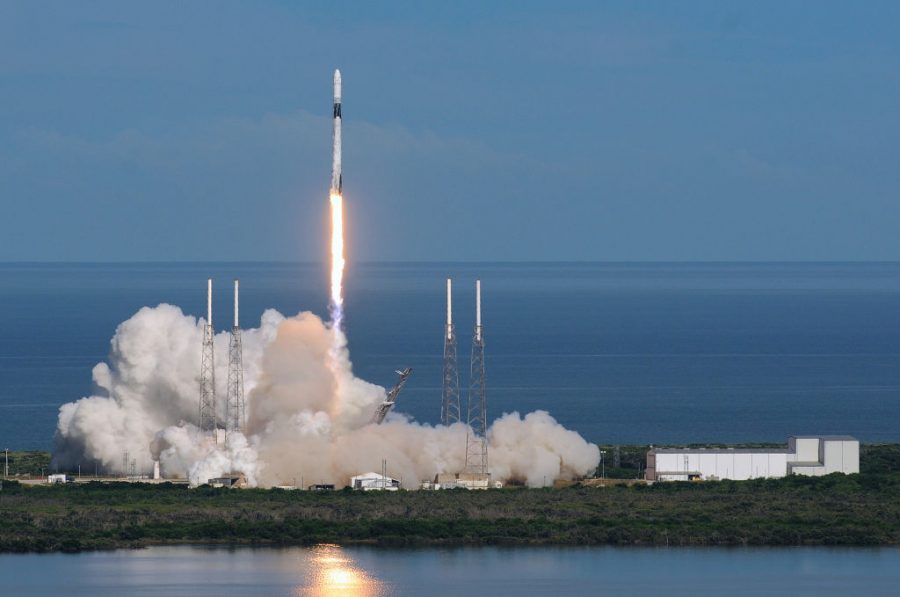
(234, 401)
(450, 391)
(208, 371)
(476, 438)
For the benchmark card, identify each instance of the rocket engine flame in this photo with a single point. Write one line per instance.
(337, 260)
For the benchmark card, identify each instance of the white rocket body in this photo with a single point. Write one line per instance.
(336, 178)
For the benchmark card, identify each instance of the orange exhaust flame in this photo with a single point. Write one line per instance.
(337, 260)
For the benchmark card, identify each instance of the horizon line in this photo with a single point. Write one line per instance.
(463, 262)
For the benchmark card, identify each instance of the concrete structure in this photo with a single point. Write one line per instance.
(805, 455)
(234, 481)
(374, 482)
(321, 487)
(462, 481)
(823, 455)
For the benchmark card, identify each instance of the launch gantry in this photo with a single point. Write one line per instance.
(390, 400)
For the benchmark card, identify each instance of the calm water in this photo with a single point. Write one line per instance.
(620, 352)
(333, 571)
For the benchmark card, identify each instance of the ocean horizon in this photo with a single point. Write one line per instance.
(622, 352)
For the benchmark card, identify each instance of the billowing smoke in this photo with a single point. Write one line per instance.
(308, 415)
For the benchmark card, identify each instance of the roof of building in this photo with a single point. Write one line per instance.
(843, 438)
(370, 476)
(720, 451)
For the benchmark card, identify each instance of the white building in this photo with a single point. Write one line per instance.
(812, 455)
(463, 481)
(823, 455)
(374, 482)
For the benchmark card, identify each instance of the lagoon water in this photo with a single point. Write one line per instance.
(623, 353)
(333, 571)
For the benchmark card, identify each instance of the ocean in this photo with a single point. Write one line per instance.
(621, 352)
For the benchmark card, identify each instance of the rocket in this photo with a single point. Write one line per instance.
(336, 178)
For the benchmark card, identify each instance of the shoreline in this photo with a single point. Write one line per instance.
(229, 546)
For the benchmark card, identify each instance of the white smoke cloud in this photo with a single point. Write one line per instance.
(308, 415)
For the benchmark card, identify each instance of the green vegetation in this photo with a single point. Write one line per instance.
(26, 464)
(632, 460)
(878, 459)
(859, 509)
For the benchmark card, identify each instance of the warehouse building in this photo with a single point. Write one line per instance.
(812, 455)
(374, 482)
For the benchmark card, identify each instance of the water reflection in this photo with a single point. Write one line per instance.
(331, 573)
(502, 572)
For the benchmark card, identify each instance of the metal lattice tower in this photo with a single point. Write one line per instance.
(382, 410)
(450, 388)
(476, 438)
(208, 371)
(235, 417)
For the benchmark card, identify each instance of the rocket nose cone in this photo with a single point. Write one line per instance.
(337, 76)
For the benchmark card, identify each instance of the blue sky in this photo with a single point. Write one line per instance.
(473, 130)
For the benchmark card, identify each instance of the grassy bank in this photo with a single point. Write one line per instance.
(834, 510)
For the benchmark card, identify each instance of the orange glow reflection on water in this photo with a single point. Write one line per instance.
(333, 573)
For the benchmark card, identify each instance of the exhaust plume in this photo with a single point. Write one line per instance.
(308, 416)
